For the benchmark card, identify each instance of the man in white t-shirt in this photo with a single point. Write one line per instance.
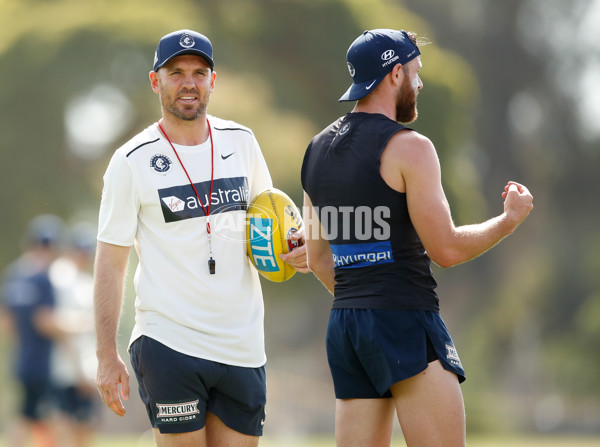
(179, 191)
(73, 366)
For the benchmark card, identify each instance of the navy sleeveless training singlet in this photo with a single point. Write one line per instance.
(380, 262)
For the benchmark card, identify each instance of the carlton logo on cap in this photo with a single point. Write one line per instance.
(187, 41)
(351, 69)
(182, 42)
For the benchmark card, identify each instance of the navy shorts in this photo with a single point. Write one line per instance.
(37, 399)
(179, 389)
(75, 404)
(369, 350)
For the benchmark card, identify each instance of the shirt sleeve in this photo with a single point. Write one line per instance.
(118, 218)
(261, 178)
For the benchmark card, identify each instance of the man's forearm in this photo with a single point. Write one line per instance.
(109, 276)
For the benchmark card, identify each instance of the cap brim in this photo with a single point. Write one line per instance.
(362, 89)
(189, 51)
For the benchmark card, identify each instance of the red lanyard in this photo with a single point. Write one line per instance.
(212, 173)
(211, 262)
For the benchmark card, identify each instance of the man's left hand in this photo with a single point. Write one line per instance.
(297, 257)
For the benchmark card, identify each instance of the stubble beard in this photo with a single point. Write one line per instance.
(406, 103)
(185, 113)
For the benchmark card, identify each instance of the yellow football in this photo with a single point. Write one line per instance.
(271, 218)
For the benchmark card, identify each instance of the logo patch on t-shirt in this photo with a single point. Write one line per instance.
(174, 203)
(362, 255)
(180, 202)
(160, 163)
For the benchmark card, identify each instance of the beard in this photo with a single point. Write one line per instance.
(185, 112)
(406, 103)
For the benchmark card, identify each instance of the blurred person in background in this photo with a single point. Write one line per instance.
(28, 305)
(388, 348)
(74, 362)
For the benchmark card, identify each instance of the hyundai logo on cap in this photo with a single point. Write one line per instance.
(182, 42)
(372, 56)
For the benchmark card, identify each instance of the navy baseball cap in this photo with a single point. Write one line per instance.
(83, 237)
(372, 56)
(46, 230)
(182, 42)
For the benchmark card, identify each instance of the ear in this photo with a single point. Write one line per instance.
(153, 81)
(397, 74)
(213, 76)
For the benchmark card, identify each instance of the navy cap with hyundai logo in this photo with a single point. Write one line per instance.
(182, 42)
(372, 56)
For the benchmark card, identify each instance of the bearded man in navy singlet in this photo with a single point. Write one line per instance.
(376, 216)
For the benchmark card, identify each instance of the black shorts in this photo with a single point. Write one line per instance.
(179, 389)
(369, 350)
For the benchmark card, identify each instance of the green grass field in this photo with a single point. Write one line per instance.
(473, 441)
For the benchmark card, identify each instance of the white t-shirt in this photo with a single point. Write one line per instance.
(148, 201)
(74, 356)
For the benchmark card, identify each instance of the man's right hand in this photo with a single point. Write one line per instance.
(518, 202)
(112, 373)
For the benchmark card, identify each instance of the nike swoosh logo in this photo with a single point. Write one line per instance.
(368, 87)
(225, 157)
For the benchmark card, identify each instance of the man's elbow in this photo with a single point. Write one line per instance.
(446, 258)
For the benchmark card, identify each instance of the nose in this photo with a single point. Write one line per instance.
(420, 85)
(188, 81)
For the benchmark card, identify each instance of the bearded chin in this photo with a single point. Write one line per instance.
(406, 105)
(187, 115)
(407, 114)
(184, 113)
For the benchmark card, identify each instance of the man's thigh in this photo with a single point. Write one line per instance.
(214, 434)
(430, 408)
(364, 422)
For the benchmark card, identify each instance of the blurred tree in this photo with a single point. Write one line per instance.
(277, 75)
(526, 302)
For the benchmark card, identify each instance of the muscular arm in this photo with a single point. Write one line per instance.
(412, 166)
(109, 276)
(319, 256)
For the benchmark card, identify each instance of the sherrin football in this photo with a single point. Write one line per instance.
(271, 218)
